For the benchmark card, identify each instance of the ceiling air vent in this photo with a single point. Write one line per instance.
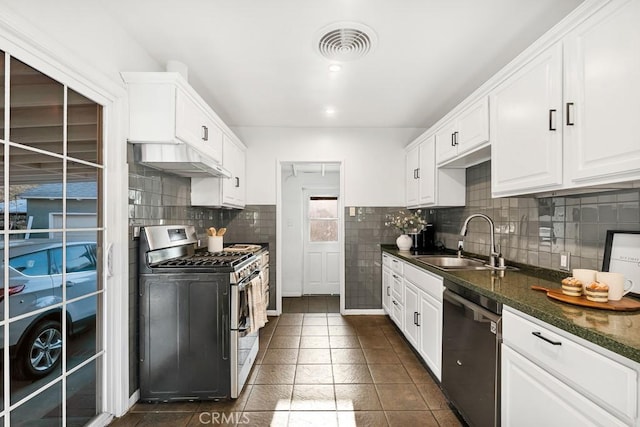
(345, 41)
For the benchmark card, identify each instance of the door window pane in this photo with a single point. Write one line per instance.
(36, 108)
(38, 359)
(2, 92)
(45, 409)
(84, 128)
(83, 183)
(82, 401)
(323, 230)
(323, 207)
(323, 219)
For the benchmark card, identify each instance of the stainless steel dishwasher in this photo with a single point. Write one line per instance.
(471, 340)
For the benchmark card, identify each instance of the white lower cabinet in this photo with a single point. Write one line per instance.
(550, 378)
(430, 332)
(423, 315)
(411, 313)
(531, 396)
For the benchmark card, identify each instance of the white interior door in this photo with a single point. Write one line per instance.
(321, 242)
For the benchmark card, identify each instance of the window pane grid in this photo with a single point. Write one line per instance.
(51, 178)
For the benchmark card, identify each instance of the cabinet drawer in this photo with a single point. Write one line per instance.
(426, 281)
(397, 266)
(602, 379)
(386, 260)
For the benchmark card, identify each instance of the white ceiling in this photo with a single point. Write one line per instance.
(255, 63)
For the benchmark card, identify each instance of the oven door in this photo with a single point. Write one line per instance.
(245, 344)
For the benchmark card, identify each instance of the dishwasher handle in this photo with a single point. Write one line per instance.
(453, 297)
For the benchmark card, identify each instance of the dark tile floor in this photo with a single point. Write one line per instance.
(320, 369)
(311, 304)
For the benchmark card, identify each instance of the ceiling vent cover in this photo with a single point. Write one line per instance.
(345, 41)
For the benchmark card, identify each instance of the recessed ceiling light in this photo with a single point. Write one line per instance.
(329, 111)
(334, 68)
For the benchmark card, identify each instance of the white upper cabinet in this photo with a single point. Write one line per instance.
(428, 185)
(412, 174)
(427, 173)
(233, 190)
(568, 118)
(225, 192)
(195, 126)
(164, 109)
(465, 132)
(602, 95)
(526, 127)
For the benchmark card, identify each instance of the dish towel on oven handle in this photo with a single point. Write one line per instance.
(258, 310)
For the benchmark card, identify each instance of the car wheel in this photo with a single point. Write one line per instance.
(41, 351)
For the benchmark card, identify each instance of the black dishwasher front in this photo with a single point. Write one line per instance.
(471, 339)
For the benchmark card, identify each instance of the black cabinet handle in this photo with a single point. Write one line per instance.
(394, 302)
(388, 289)
(417, 319)
(552, 113)
(237, 181)
(418, 173)
(205, 133)
(415, 322)
(453, 144)
(569, 108)
(455, 137)
(539, 335)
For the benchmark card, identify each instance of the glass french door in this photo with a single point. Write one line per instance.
(51, 250)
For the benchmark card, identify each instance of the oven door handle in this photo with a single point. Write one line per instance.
(247, 280)
(226, 327)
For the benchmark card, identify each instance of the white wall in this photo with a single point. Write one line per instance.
(84, 30)
(292, 224)
(374, 160)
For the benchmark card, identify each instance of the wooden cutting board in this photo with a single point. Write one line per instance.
(625, 304)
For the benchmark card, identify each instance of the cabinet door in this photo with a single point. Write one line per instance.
(233, 189)
(412, 171)
(603, 94)
(430, 330)
(386, 290)
(190, 121)
(473, 126)
(397, 312)
(411, 313)
(530, 396)
(446, 147)
(427, 172)
(195, 127)
(526, 127)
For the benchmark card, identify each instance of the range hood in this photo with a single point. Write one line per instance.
(179, 159)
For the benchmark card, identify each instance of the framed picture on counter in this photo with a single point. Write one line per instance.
(622, 255)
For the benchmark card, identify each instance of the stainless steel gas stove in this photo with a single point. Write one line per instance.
(194, 317)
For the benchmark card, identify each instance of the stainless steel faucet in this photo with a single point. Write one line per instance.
(495, 257)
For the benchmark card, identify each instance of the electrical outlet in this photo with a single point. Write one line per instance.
(352, 211)
(565, 261)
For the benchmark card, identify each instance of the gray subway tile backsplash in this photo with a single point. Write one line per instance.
(534, 230)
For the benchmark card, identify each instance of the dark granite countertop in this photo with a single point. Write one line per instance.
(613, 330)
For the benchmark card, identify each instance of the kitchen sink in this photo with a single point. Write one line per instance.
(452, 262)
